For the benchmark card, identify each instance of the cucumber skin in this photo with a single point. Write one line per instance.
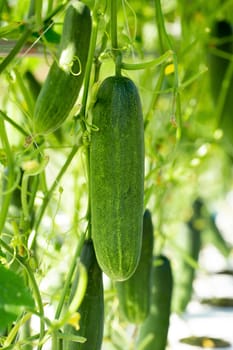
(117, 177)
(92, 307)
(61, 88)
(155, 327)
(134, 293)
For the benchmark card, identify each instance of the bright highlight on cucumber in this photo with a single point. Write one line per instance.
(64, 80)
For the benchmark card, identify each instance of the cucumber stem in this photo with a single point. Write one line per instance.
(114, 39)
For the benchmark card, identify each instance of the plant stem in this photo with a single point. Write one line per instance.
(34, 286)
(155, 97)
(13, 123)
(54, 185)
(155, 62)
(10, 176)
(38, 300)
(38, 13)
(16, 49)
(25, 92)
(49, 7)
(114, 38)
(165, 41)
(24, 192)
(66, 288)
(13, 332)
(69, 276)
(223, 94)
(90, 59)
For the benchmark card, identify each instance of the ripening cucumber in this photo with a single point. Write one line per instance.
(117, 177)
(92, 307)
(64, 80)
(134, 293)
(154, 330)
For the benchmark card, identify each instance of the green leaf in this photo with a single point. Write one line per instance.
(15, 297)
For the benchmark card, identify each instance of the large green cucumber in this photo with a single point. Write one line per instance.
(154, 330)
(134, 293)
(218, 66)
(117, 177)
(92, 307)
(64, 80)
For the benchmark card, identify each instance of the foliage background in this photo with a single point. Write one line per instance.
(178, 169)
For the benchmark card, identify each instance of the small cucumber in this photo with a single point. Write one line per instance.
(134, 293)
(92, 307)
(117, 177)
(189, 240)
(154, 330)
(64, 80)
(214, 236)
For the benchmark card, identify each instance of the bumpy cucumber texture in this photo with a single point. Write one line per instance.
(134, 293)
(117, 177)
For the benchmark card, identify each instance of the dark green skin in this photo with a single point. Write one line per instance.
(217, 69)
(189, 240)
(117, 177)
(134, 293)
(92, 307)
(61, 88)
(153, 331)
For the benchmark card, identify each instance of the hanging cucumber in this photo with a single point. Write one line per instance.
(189, 241)
(154, 330)
(92, 307)
(134, 293)
(64, 80)
(215, 237)
(117, 177)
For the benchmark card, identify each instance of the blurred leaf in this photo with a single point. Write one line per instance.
(15, 297)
